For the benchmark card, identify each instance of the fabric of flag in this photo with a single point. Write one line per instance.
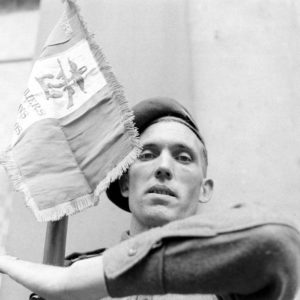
(74, 133)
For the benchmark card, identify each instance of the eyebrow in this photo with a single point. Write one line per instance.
(182, 146)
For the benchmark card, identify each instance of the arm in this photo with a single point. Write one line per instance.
(244, 254)
(249, 255)
(82, 280)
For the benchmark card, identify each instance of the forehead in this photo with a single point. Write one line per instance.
(170, 132)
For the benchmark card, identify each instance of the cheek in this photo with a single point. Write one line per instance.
(138, 176)
(191, 182)
(192, 176)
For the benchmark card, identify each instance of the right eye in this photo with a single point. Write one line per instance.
(146, 155)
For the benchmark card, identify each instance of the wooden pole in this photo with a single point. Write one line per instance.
(55, 242)
(55, 246)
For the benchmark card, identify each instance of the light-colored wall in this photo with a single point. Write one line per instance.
(233, 63)
(246, 85)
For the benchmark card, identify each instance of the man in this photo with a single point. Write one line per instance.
(168, 181)
(170, 249)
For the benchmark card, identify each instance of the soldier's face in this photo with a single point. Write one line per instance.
(165, 183)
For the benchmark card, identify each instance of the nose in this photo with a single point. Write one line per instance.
(164, 167)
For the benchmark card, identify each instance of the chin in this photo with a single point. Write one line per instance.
(159, 218)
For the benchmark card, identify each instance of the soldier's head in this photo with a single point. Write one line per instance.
(168, 180)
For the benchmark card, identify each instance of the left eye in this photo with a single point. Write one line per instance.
(184, 158)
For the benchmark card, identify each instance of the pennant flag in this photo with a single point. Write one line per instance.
(74, 133)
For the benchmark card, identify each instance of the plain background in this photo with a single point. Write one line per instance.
(235, 64)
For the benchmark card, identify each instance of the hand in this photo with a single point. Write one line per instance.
(5, 261)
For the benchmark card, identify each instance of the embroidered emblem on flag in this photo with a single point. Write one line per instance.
(74, 132)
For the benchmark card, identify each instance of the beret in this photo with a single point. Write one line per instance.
(145, 113)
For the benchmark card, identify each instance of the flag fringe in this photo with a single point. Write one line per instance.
(66, 209)
(117, 172)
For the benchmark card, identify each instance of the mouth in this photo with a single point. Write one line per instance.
(161, 190)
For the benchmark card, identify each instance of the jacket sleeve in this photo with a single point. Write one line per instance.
(243, 253)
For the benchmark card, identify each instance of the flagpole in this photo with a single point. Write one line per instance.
(55, 246)
(55, 242)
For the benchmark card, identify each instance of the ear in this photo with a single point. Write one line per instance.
(124, 185)
(206, 190)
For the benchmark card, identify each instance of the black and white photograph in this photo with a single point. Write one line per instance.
(150, 149)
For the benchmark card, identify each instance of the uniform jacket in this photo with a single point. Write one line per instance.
(242, 252)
